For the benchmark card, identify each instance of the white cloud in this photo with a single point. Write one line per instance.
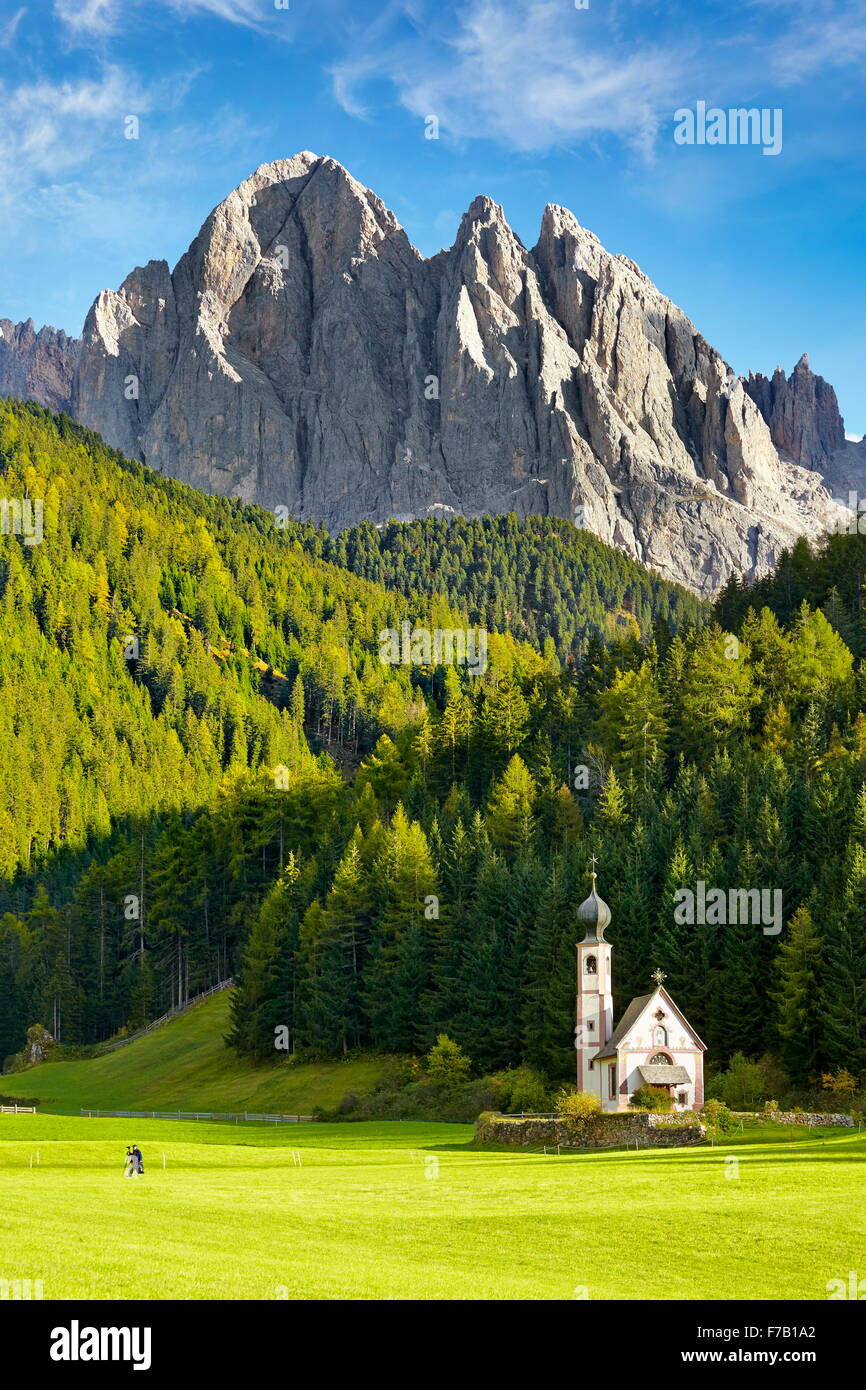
(69, 179)
(80, 205)
(49, 127)
(250, 12)
(536, 74)
(94, 17)
(9, 29)
(814, 36)
(64, 155)
(839, 41)
(101, 18)
(529, 74)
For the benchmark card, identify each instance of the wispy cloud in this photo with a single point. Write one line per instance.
(819, 36)
(101, 18)
(9, 29)
(530, 74)
(90, 208)
(71, 183)
(64, 155)
(89, 17)
(49, 127)
(248, 12)
(539, 74)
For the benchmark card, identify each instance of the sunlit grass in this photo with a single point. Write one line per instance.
(185, 1065)
(407, 1210)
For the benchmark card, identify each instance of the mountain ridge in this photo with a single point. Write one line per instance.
(303, 354)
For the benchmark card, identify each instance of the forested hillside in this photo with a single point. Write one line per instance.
(540, 578)
(830, 578)
(432, 884)
(161, 654)
(739, 764)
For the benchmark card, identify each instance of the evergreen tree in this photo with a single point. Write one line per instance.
(798, 996)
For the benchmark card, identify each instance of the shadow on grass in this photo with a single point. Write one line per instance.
(783, 1148)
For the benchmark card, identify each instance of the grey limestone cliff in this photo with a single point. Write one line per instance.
(303, 354)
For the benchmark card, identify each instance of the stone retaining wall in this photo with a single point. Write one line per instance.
(813, 1119)
(601, 1132)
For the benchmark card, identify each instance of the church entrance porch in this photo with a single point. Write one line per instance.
(673, 1080)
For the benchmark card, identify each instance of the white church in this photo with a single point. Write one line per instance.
(653, 1045)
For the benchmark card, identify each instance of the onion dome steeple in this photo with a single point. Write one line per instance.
(594, 913)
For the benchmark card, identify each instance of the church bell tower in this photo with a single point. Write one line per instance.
(594, 997)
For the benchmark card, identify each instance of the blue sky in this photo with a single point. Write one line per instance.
(537, 101)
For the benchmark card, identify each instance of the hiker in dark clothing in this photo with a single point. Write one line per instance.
(138, 1160)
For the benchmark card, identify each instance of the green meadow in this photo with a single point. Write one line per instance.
(405, 1210)
(390, 1210)
(185, 1065)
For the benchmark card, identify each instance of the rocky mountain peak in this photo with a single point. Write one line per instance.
(37, 365)
(302, 353)
(802, 413)
(482, 209)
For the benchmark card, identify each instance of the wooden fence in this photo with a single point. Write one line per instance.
(220, 1116)
(102, 1048)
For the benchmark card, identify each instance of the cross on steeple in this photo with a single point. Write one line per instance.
(658, 976)
(593, 861)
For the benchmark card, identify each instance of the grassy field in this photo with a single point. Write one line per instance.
(405, 1210)
(185, 1065)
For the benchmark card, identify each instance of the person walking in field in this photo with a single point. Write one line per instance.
(134, 1162)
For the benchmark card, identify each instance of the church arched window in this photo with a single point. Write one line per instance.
(661, 1059)
(591, 966)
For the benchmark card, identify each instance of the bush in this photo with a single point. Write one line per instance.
(771, 1107)
(483, 1124)
(652, 1098)
(743, 1084)
(520, 1089)
(399, 1072)
(840, 1083)
(717, 1117)
(577, 1108)
(417, 1100)
(351, 1102)
(446, 1063)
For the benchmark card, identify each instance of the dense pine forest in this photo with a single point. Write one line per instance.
(540, 579)
(208, 770)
